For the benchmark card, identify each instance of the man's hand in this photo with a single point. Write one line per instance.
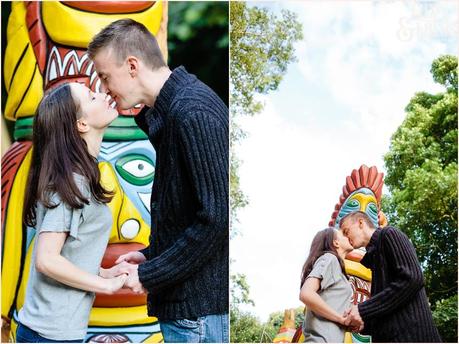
(133, 282)
(133, 257)
(353, 320)
(116, 270)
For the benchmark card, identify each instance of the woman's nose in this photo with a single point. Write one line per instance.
(102, 95)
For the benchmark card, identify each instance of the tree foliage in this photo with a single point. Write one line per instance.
(198, 39)
(276, 320)
(445, 316)
(245, 327)
(240, 291)
(261, 50)
(422, 179)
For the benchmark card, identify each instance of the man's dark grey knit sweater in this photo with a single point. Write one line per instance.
(186, 272)
(398, 309)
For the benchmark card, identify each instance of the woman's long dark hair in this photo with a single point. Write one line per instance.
(321, 244)
(58, 152)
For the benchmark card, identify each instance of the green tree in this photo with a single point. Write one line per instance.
(261, 49)
(422, 178)
(240, 291)
(445, 315)
(198, 39)
(245, 328)
(276, 320)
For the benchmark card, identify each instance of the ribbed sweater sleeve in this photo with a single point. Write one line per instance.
(202, 142)
(407, 277)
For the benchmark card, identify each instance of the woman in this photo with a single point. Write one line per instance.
(67, 205)
(325, 289)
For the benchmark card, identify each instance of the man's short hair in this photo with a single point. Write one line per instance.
(355, 216)
(127, 37)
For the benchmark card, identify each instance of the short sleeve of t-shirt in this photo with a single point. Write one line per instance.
(325, 269)
(62, 218)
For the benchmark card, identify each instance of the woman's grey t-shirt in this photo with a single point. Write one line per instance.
(336, 291)
(54, 310)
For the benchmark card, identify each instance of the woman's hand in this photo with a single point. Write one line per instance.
(112, 285)
(133, 257)
(116, 270)
(341, 320)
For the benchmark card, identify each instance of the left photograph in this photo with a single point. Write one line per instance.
(115, 171)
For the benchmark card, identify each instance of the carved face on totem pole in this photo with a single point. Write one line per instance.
(362, 192)
(46, 46)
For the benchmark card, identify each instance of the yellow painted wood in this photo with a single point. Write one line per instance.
(79, 27)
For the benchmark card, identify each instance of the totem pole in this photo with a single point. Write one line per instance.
(46, 46)
(362, 191)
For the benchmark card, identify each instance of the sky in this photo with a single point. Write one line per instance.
(336, 109)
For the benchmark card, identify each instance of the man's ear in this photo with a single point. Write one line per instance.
(82, 125)
(133, 65)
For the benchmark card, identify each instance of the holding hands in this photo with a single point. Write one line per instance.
(133, 257)
(352, 319)
(124, 273)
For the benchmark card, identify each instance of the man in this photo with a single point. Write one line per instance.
(398, 309)
(185, 268)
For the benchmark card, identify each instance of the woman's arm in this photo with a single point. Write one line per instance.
(312, 300)
(50, 263)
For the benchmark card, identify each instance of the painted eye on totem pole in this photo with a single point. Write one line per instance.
(372, 211)
(136, 169)
(353, 204)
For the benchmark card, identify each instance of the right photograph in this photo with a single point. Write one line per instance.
(343, 171)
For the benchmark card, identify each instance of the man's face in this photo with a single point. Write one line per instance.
(115, 79)
(353, 230)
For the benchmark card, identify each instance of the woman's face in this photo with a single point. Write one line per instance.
(95, 108)
(343, 241)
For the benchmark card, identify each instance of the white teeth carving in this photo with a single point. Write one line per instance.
(57, 65)
(93, 77)
(52, 71)
(113, 105)
(89, 69)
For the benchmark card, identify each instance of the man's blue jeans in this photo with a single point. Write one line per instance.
(207, 329)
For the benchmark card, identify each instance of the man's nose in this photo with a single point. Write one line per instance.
(104, 88)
